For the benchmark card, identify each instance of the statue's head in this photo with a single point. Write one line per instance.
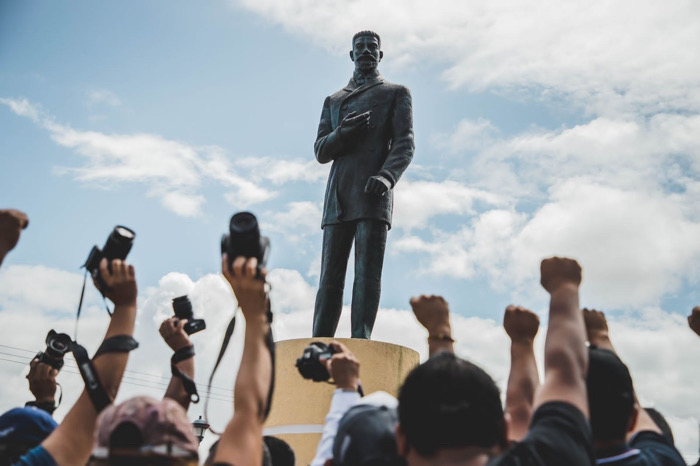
(366, 51)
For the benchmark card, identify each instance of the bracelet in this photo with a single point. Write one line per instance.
(441, 337)
(183, 353)
(48, 406)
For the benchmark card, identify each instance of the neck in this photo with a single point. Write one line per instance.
(366, 74)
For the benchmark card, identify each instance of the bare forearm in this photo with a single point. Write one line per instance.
(565, 347)
(176, 389)
(523, 381)
(255, 372)
(440, 339)
(71, 442)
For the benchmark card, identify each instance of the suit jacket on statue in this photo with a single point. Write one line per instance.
(385, 148)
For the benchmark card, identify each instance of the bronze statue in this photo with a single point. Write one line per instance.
(366, 130)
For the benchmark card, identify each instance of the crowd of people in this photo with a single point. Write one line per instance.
(448, 410)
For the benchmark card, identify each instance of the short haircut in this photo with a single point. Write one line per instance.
(610, 395)
(367, 34)
(448, 402)
(661, 422)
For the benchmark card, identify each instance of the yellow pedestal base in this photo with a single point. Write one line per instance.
(300, 406)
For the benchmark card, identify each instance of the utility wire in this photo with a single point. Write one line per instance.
(70, 359)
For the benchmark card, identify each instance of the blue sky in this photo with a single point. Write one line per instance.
(540, 129)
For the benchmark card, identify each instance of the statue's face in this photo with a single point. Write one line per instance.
(366, 54)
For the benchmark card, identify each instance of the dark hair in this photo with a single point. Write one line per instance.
(610, 395)
(281, 454)
(367, 34)
(449, 402)
(661, 422)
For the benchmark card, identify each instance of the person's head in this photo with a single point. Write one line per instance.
(21, 429)
(366, 51)
(610, 396)
(143, 430)
(661, 421)
(449, 403)
(276, 452)
(365, 435)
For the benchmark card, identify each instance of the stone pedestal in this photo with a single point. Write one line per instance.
(300, 406)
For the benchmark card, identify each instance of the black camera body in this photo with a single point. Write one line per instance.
(117, 246)
(244, 239)
(183, 310)
(310, 365)
(57, 345)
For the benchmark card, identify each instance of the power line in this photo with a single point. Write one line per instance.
(70, 359)
(212, 396)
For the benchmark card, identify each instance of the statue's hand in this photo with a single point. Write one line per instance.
(353, 123)
(377, 185)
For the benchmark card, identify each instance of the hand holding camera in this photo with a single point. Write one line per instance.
(248, 284)
(42, 381)
(343, 367)
(173, 332)
(182, 306)
(118, 282)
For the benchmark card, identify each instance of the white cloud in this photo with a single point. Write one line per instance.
(635, 246)
(173, 171)
(658, 347)
(103, 96)
(284, 171)
(660, 152)
(418, 201)
(608, 58)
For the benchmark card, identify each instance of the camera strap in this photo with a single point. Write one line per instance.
(116, 344)
(270, 343)
(189, 385)
(80, 304)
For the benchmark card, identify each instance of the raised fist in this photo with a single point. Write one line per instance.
(432, 312)
(558, 271)
(596, 324)
(521, 324)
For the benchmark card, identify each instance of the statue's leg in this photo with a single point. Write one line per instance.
(370, 242)
(337, 241)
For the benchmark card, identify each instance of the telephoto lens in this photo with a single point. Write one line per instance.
(244, 239)
(310, 365)
(118, 245)
(57, 345)
(182, 307)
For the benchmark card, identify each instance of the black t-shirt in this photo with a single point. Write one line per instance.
(559, 436)
(645, 449)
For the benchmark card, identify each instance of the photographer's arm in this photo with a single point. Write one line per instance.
(173, 332)
(565, 352)
(694, 320)
(12, 222)
(242, 441)
(71, 442)
(433, 313)
(599, 335)
(344, 369)
(42, 384)
(521, 325)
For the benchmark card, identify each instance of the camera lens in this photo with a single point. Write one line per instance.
(244, 223)
(119, 243)
(182, 306)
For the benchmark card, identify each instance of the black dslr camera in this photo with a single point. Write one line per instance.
(57, 345)
(183, 310)
(244, 239)
(310, 365)
(117, 246)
